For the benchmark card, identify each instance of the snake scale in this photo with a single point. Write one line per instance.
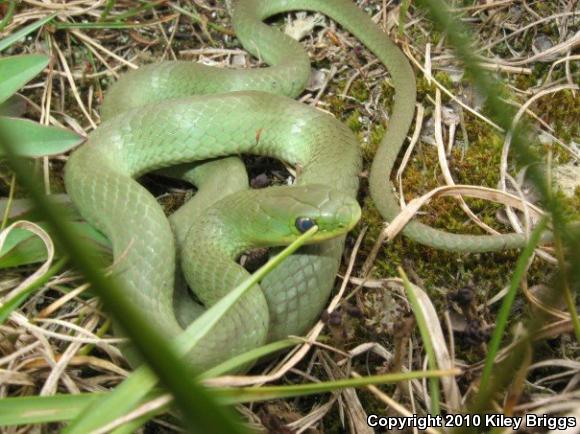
(179, 113)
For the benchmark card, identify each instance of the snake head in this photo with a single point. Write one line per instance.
(284, 213)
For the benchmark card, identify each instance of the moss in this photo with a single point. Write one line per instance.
(388, 94)
(562, 111)
(376, 135)
(570, 205)
(524, 81)
(369, 132)
(426, 89)
(444, 78)
(359, 90)
(353, 121)
(337, 105)
(543, 8)
(445, 272)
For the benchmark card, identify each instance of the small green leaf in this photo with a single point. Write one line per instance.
(30, 139)
(23, 248)
(9, 40)
(16, 71)
(15, 237)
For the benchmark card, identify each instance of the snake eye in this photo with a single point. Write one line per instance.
(304, 223)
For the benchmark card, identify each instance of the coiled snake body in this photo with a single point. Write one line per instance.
(177, 112)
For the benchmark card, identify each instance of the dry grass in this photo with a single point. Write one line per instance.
(59, 341)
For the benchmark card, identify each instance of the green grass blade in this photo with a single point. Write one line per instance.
(108, 8)
(426, 337)
(43, 409)
(8, 15)
(403, 16)
(507, 303)
(16, 36)
(250, 356)
(196, 18)
(109, 407)
(262, 393)
(105, 25)
(31, 139)
(127, 396)
(16, 71)
(58, 408)
(133, 390)
(227, 366)
(199, 409)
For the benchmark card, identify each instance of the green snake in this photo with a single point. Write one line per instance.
(176, 113)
